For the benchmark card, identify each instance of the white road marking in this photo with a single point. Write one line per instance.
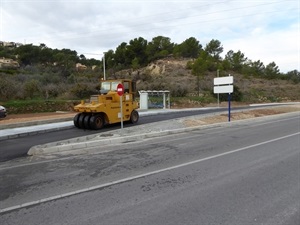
(68, 194)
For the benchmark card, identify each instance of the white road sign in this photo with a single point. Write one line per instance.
(223, 89)
(223, 80)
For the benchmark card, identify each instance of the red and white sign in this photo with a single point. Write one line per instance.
(120, 89)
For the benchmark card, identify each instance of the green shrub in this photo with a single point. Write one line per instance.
(37, 106)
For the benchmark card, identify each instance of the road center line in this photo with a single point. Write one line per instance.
(68, 194)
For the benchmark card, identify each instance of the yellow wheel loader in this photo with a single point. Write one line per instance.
(105, 108)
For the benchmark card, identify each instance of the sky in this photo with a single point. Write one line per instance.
(265, 30)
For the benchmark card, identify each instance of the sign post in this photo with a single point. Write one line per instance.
(218, 93)
(120, 91)
(224, 85)
(229, 99)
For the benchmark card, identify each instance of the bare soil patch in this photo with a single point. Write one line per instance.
(242, 115)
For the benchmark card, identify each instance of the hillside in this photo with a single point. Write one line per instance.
(30, 72)
(172, 74)
(48, 89)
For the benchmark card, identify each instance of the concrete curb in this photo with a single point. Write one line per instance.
(11, 134)
(34, 123)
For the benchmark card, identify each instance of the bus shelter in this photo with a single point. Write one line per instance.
(145, 103)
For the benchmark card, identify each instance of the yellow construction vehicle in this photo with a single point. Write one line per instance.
(105, 108)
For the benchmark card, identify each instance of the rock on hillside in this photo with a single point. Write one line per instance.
(164, 74)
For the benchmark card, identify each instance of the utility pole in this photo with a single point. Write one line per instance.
(198, 84)
(104, 76)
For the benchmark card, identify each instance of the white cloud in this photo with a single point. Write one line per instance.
(265, 30)
(276, 46)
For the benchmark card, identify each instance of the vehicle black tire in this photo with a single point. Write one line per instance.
(96, 122)
(75, 120)
(81, 121)
(86, 121)
(134, 117)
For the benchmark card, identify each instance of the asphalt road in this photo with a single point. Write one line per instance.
(233, 174)
(18, 147)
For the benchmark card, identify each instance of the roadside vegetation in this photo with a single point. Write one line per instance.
(52, 79)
